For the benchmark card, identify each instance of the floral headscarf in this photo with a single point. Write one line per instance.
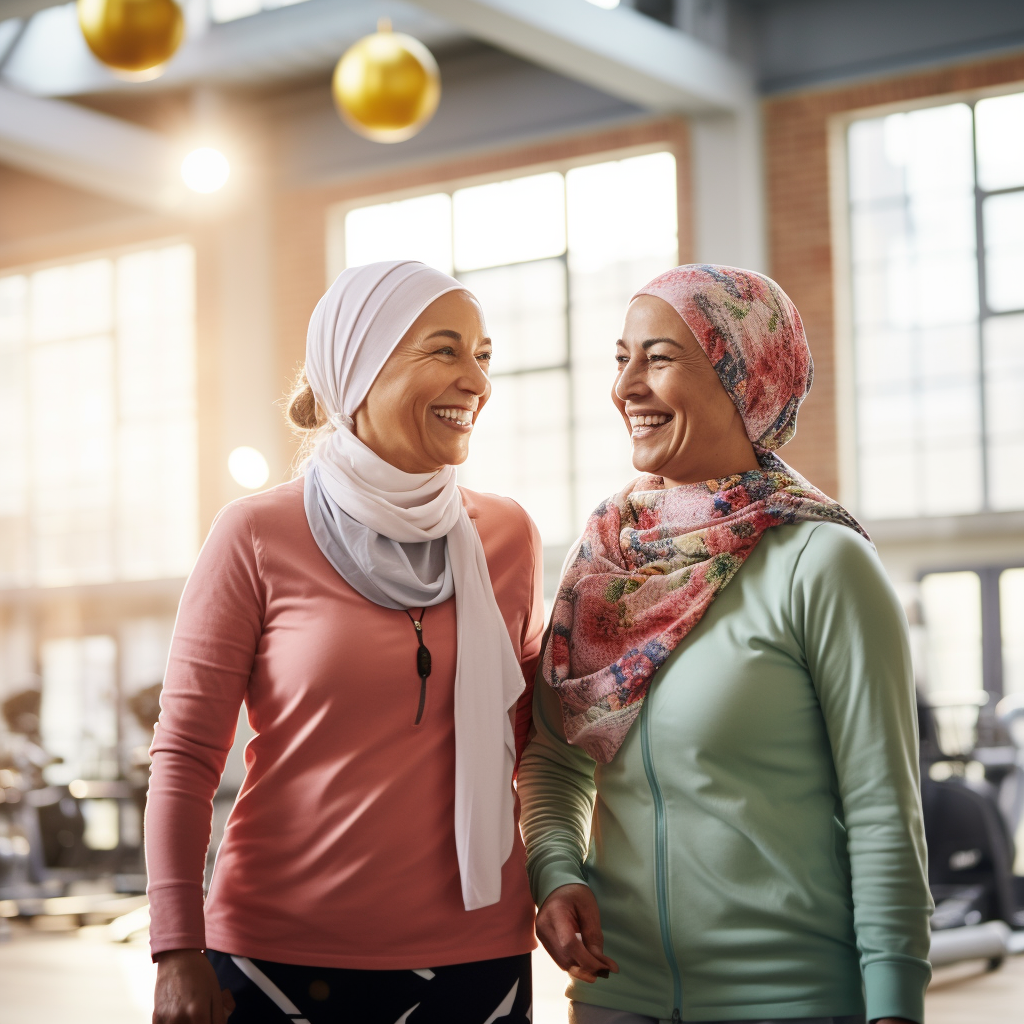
(754, 337)
(651, 559)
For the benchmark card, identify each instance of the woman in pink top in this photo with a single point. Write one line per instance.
(379, 623)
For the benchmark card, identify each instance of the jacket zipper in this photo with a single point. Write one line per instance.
(660, 858)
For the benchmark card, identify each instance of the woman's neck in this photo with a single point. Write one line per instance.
(715, 464)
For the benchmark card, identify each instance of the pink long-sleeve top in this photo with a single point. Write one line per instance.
(340, 849)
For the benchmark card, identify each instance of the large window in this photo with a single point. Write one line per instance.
(98, 475)
(937, 232)
(973, 645)
(554, 259)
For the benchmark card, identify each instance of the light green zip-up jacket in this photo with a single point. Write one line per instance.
(756, 845)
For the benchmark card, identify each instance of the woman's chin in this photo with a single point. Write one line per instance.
(457, 458)
(451, 454)
(646, 461)
(444, 446)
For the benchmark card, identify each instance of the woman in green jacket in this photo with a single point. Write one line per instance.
(720, 803)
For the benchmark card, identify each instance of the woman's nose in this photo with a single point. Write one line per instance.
(474, 380)
(631, 383)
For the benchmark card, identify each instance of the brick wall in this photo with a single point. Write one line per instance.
(799, 230)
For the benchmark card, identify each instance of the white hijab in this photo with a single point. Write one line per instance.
(354, 329)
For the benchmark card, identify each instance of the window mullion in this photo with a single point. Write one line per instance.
(983, 311)
(991, 642)
(117, 468)
(573, 481)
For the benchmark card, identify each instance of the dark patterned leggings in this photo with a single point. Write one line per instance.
(484, 992)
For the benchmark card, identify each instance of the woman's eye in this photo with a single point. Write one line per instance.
(622, 360)
(484, 357)
(660, 359)
(446, 351)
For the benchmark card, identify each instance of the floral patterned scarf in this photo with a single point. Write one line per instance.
(652, 559)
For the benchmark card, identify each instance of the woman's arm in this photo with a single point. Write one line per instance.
(557, 791)
(530, 641)
(856, 644)
(215, 637)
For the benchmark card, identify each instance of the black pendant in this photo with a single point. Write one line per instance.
(423, 661)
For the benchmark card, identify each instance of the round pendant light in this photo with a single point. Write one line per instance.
(386, 86)
(133, 36)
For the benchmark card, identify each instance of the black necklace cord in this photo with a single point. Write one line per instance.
(422, 660)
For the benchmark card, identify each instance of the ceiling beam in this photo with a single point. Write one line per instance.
(619, 51)
(51, 59)
(88, 150)
(22, 8)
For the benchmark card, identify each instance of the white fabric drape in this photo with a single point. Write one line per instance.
(388, 573)
(354, 329)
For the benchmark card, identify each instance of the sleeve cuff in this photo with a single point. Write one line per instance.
(176, 917)
(546, 877)
(895, 988)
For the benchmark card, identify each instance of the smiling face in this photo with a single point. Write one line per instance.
(682, 423)
(419, 412)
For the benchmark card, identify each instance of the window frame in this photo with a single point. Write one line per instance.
(334, 262)
(837, 127)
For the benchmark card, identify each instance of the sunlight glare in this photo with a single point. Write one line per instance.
(248, 467)
(205, 169)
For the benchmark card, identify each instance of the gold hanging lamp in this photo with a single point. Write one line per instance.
(132, 36)
(386, 86)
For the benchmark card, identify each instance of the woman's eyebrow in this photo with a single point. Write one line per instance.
(659, 341)
(445, 333)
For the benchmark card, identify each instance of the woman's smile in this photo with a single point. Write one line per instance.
(645, 424)
(455, 417)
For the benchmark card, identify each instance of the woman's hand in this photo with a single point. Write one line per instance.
(187, 990)
(569, 925)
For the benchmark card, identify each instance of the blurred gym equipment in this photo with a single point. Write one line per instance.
(972, 812)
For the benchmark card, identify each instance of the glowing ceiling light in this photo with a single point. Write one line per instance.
(205, 169)
(248, 467)
(608, 5)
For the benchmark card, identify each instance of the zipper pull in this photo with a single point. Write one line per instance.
(675, 1015)
(419, 626)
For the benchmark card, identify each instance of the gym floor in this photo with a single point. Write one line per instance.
(80, 975)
